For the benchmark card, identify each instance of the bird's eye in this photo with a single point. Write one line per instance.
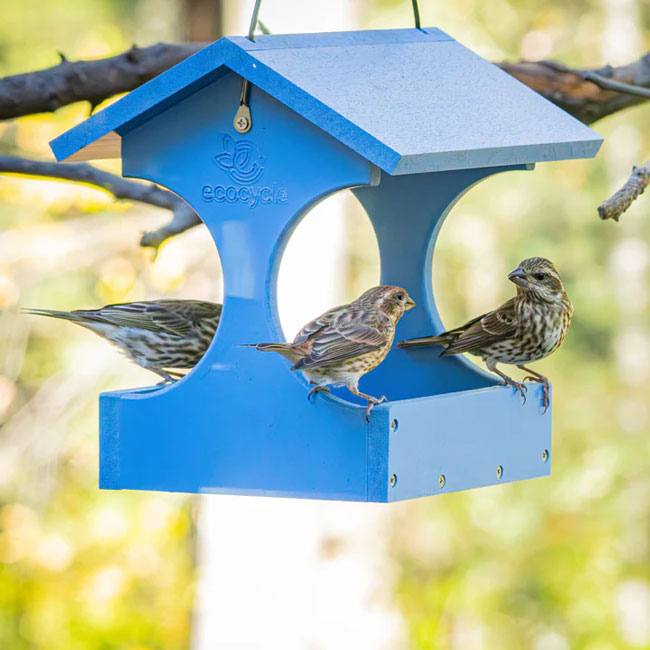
(400, 297)
(539, 276)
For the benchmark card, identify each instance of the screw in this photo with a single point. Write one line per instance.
(499, 471)
(393, 480)
(441, 481)
(545, 455)
(393, 425)
(242, 123)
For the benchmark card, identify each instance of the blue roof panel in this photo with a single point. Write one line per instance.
(408, 100)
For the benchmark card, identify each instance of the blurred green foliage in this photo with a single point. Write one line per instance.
(551, 564)
(79, 568)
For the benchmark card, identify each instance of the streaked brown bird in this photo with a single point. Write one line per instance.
(160, 335)
(524, 329)
(344, 343)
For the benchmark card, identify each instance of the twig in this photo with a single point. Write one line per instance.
(589, 95)
(184, 217)
(94, 81)
(615, 206)
(46, 90)
(617, 86)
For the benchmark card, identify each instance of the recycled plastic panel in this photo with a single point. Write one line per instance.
(407, 100)
(240, 423)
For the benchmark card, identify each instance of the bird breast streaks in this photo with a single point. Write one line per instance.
(341, 345)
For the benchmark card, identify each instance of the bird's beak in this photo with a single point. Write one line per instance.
(410, 303)
(519, 277)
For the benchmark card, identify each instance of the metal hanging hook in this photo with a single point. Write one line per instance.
(416, 14)
(243, 120)
(253, 24)
(256, 11)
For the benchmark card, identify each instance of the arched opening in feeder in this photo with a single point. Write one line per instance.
(331, 258)
(189, 268)
(485, 238)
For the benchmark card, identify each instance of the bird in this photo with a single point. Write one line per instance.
(159, 335)
(346, 342)
(524, 329)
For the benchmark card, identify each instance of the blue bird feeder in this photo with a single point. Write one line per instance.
(252, 135)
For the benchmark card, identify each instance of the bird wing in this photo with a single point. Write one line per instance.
(351, 333)
(492, 327)
(317, 324)
(176, 317)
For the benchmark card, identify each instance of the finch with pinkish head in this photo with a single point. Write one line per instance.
(524, 329)
(160, 335)
(344, 343)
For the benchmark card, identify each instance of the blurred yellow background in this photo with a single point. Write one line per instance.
(552, 564)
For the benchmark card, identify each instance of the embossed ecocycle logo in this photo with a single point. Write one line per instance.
(241, 160)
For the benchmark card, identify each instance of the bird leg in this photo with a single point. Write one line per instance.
(509, 381)
(317, 389)
(372, 401)
(535, 376)
(167, 378)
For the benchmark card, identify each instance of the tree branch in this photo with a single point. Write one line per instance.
(184, 217)
(589, 95)
(46, 90)
(615, 206)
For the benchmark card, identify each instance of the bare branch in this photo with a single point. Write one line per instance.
(615, 206)
(184, 217)
(618, 86)
(46, 90)
(588, 95)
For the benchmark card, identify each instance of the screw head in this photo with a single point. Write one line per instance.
(242, 123)
(393, 480)
(499, 471)
(545, 456)
(441, 481)
(393, 425)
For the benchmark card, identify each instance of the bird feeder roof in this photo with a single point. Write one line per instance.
(407, 100)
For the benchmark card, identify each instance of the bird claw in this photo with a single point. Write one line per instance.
(546, 390)
(373, 402)
(317, 389)
(521, 387)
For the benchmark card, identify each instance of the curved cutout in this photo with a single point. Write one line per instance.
(319, 259)
(419, 203)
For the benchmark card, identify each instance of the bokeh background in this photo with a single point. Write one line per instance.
(552, 564)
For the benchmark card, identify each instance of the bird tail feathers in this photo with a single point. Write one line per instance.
(284, 349)
(423, 341)
(54, 313)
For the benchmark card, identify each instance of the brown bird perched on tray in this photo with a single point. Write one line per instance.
(344, 343)
(524, 329)
(159, 335)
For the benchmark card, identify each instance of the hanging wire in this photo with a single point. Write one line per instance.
(253, 25)
(255, 21)
(416, 14)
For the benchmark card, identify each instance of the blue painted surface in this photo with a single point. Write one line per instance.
(408, 101)
(240, 423)
(330, 112)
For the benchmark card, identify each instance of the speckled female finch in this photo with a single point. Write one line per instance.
(344, 343)
(158, 334)
(524, 329)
